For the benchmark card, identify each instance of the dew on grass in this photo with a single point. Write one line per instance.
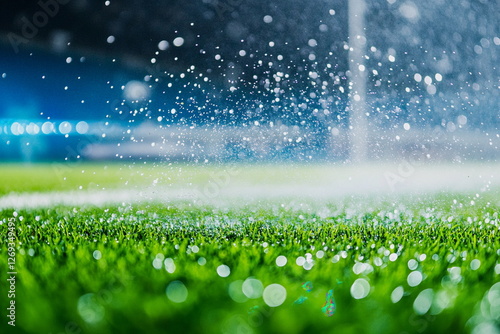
(360, 288)
(414, 278)
(157, 263)
(89, 308)
(300, 261)
(308, 265)
(362, 268)
(177, 292)
(443, 300)
(455, 274)
(223, 270)
(169, 265)
(252, 288)
(475, 264)
(202, 261)
(274, 295)
(412, 264)
(423, 302)
(281, 261)
(397, 294)
(236, 292)
(97, 254)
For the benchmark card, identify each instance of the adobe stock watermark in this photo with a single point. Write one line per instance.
(408, 166)
(419, 323)
(94, 305)
(31, 27)
(216, 184)
(239, 324)
(74, 154)
(11, 271)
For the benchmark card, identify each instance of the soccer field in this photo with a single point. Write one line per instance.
(250, 249)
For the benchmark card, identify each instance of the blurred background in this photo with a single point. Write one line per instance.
(225, 80)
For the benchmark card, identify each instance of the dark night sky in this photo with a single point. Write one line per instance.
(456, 39)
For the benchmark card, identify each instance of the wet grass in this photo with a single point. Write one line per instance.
(406, 267)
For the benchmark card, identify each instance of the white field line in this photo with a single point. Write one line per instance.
(332, 185)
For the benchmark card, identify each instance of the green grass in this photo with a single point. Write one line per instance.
(104, 270)
(74, 176)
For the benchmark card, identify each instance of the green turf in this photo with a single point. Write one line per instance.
(74, 176)
(127, 268)
(63, 287)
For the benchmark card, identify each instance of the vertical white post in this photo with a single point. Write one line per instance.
(358, 123)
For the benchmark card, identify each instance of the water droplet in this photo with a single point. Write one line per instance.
(177, 292)
(90, 310)
(97, 255)
(169, 265)
(360, 288)
(236, 293)
(475, 264)
(423, 302)
(412, 264)
(252, 288)
(178, 41)
(414, 278)
(397, 294)
(274, 295)
(223, 270)
(281, 261)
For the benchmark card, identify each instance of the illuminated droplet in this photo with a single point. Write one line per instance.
(360, 288)
(178, 41)
(414, 278)
(177, 292)
(163, 45)
(274, 295)
(423, 302)
(281, 261)
(169, 265)
(223, 270)
(82, 127)
(236, 293)
(397, 294)
(65, 127)
(252, 288)
(475, 264)
(97, 255)
(89, 308)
